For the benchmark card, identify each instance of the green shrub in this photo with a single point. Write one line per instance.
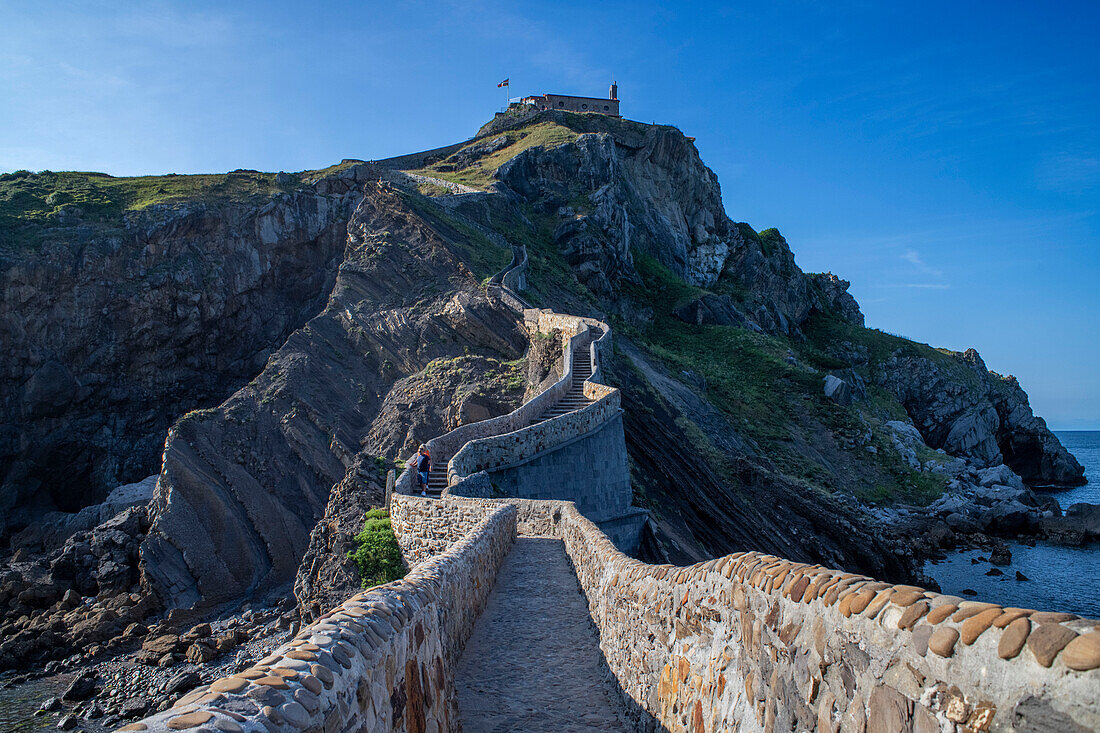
(377, 555)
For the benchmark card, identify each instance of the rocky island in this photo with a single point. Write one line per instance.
(209, 378)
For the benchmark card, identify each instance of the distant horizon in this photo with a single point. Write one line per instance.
(913, 151)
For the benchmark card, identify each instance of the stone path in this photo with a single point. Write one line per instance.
(533, 662)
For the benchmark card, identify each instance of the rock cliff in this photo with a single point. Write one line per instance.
(242, 486)
(962, 407)
(112, 330)
(639, 220)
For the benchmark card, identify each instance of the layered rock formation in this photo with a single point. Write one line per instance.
(625, 187)
(243, 486)
(359, 317)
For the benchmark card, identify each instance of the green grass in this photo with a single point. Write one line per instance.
(36, 197)
(777, 405)
(482, 172)
(822, 330)
(746, 373)
(377, 555)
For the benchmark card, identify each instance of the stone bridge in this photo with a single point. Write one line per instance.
(522, 612)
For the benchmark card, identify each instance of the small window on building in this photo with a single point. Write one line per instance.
(605, 108)
(584, 106)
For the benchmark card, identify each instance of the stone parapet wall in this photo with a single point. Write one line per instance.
(754, 642)
(508, 439)
(426, 527)
(450, 443)
(515, 279)
(591, 470)
(384, 660)
(499, 451)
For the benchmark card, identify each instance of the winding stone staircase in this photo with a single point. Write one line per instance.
(574, 399)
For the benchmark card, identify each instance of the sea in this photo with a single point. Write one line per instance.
(1060, 578)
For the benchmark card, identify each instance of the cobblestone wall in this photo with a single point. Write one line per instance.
(382, 661)
(426, 527)
(754, 642)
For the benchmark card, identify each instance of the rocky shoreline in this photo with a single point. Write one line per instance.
(981, 508)
(107, 689)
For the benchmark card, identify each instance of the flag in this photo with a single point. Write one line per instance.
(503, 84)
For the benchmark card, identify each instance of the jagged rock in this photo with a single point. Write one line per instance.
(92, 381)
(713, 310)
(81, 688)
(181, 683)
(838, 390)
(1000, 475)
(163, 644)
(834, 298)
(960, 406)
(267, 459)
(52, 529)
(134, 707)
(199, 653)
(1001, 555)
(198, 631)
(1079, 525)
(479, 150)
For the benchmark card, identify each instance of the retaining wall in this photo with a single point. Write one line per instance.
(382, 661)
(423, 158)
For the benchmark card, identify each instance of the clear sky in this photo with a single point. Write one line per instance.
(944, 157)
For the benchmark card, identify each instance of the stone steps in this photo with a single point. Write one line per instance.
(571, 401)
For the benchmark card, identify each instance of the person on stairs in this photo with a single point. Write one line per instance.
(423, 468)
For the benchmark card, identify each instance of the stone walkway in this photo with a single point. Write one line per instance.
(533, 662)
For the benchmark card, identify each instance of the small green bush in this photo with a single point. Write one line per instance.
(377, 555)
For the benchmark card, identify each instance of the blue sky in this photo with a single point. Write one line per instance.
(944, 157)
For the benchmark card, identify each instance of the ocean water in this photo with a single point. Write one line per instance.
(18, 704)
(1085, 447)
(1060, 578)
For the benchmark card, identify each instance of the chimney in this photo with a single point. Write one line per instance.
(613, 93)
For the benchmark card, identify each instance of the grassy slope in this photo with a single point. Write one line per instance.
(481, 172)
(482, 256)
(780, 406)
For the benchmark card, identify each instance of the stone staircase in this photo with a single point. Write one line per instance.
(572, 400)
